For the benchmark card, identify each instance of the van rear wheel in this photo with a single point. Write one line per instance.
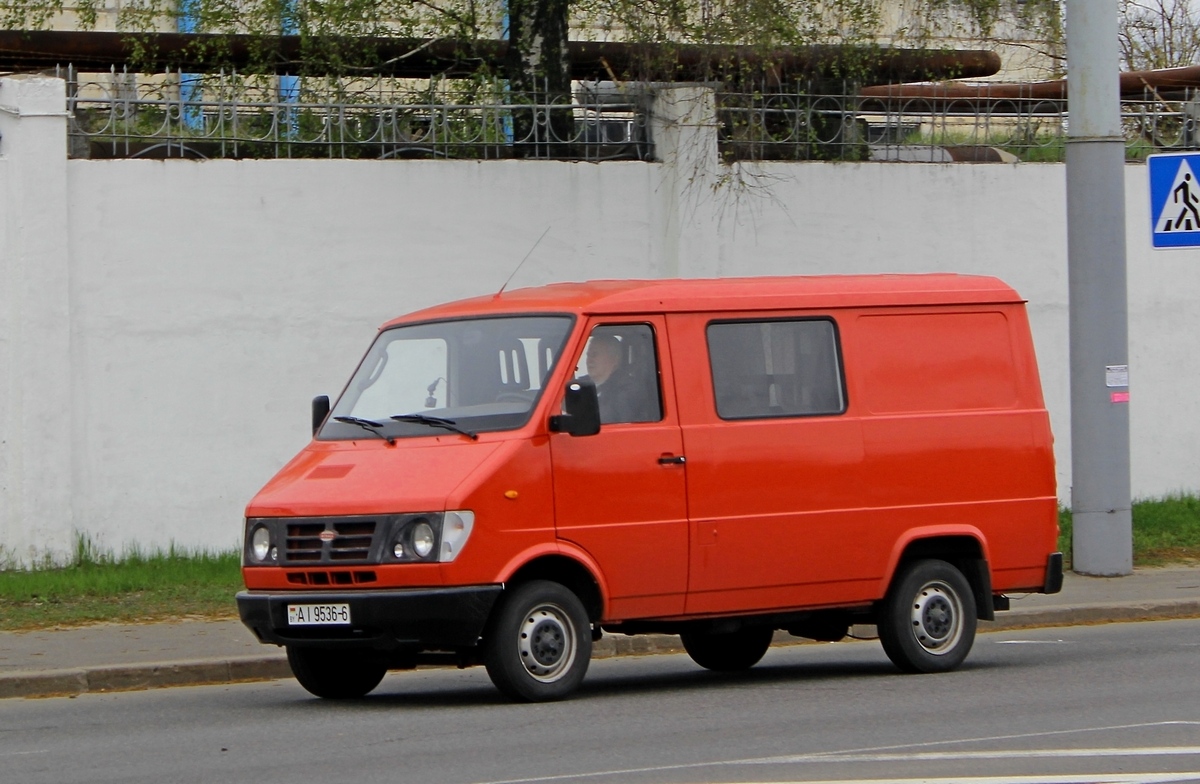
(539, 643)
(336, 674)
(928, 619)
(728, 651)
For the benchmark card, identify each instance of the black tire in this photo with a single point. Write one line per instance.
(539, 643)
(729, 651)
(336, 674)
(928, 618)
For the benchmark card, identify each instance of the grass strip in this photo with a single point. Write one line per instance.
(1165, 530)
(134, 587)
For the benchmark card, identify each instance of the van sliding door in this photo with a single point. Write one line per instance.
(774, 462)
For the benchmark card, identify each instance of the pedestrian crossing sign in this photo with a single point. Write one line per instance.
(1175, 199)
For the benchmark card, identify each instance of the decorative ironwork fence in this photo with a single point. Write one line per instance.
(122, 114)
(849, 127)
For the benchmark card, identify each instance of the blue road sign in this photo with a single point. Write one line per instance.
(1175, 199)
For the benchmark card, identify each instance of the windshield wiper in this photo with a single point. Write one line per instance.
(370, 425)
(432, 421)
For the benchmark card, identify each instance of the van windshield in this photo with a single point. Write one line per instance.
(436, 378)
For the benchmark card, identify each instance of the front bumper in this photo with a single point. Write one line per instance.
(411, 618)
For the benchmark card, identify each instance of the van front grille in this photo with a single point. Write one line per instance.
(329, 541)
(349, 577)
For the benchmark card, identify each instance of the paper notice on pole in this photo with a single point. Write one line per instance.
(1116, 375)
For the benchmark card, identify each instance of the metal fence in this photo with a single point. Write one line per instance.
(122, 114)
(227, 115)
(849, 127)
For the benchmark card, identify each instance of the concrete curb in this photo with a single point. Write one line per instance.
(242, 669)
(136, 677)
(1089, 614)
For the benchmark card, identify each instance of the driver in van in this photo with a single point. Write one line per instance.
(620, 397)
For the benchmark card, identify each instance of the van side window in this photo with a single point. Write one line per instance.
(621, 360)
(776, 368)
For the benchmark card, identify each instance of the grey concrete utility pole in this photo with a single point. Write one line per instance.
(1100, 492)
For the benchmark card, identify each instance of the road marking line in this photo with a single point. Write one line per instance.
(938, 756)
(849, 754)
(1089, 778)
(1074, 778)
(1019, 736)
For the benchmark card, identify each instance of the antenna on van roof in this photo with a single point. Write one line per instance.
(527, 255)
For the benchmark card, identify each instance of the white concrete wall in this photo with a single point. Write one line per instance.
(36, 489)
(215, 299)
(206, 303)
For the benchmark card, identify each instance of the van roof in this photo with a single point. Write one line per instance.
(678, 295)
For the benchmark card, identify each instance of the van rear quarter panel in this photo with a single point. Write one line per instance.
(955, 431)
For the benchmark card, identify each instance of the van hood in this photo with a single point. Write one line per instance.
(349, 478)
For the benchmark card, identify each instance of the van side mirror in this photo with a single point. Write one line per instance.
(320, 410)
(582, 407)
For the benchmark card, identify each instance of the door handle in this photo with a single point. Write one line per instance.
(672, 460)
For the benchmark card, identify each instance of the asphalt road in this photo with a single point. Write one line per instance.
(1114, 703)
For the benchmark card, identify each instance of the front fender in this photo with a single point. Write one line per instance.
(560, 549)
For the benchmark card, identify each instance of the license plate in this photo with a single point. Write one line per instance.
(318, 614)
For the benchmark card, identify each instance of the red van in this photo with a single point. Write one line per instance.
(504, 479)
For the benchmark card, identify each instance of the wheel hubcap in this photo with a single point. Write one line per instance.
(937, 618)
(546, 643)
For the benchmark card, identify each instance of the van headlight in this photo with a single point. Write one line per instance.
(422, 539)
(430, 538)
(260, 545)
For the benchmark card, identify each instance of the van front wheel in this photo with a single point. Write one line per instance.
(927, 622)
(336, 674)
(728, 651)
(539, 643)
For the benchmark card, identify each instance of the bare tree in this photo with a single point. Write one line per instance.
(1159, 34)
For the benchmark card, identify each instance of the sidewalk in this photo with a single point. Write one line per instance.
(111, 657)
